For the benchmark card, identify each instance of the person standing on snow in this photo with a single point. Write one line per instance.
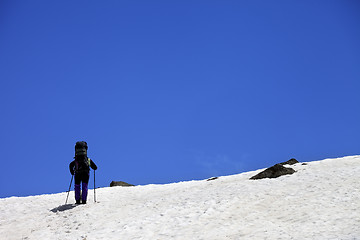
(81, 168)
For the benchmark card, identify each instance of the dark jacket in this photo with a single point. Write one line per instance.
(72, 166)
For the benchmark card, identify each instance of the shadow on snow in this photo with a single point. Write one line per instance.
(63, 208)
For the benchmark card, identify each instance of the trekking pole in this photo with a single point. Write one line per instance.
(72, 176)
(94, 188)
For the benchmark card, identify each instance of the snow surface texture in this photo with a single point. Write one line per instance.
(320, 201)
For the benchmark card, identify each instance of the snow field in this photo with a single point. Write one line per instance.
(320, 201)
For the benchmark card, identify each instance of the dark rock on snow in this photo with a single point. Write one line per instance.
(213, 178)
(276, 171)
(120, 183)
(290, 162)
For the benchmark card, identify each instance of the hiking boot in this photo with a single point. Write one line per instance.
(83, 202)
(77, 202)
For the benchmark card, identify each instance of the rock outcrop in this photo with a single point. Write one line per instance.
(120, 183)
(290, 162)
(276, 171)
(212, 178)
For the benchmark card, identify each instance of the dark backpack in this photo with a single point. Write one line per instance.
(82, 162)
(81, 148)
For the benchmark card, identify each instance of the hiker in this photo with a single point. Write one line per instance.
(81, 168)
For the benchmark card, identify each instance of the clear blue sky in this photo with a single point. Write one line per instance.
(167, 91)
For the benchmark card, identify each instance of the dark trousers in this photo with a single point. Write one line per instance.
(81, 177)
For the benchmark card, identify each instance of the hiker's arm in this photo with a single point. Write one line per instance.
(71, 167)
(93, 165)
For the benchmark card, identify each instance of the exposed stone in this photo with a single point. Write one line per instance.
(290, 162)
(213, 178)
(120, 183)
(273, 172)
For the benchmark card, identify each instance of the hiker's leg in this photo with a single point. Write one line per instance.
(85, 181)
(77, 188)
(84, 191)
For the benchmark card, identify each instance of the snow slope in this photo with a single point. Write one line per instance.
(320, 201)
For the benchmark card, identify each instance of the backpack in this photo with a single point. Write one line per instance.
(82, 162)
(81, 148)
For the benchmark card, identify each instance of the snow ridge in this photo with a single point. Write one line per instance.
(320, 201)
